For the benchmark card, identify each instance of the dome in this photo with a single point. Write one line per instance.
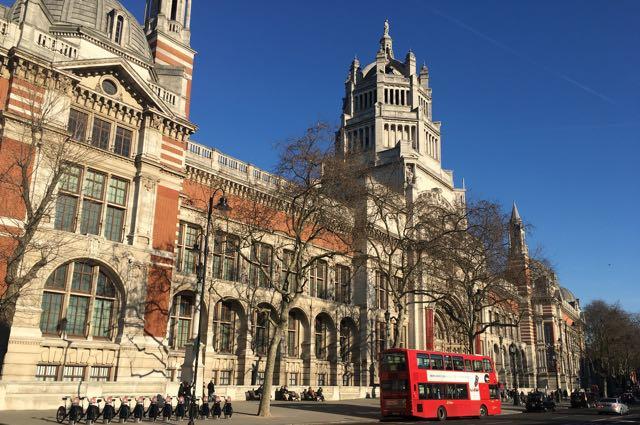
(93, 14)
(567, 295)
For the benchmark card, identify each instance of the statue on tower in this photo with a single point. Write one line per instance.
(386, 27)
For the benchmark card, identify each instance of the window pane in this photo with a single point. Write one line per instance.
(58, 278)
(117, 193)
(77, 315)
(94, 184)
(105, 287)
(50, 316)
(102, 310)
(70, 179)
(191, 236)
(82, 275)
(66, 210)
(114, 224)
(77, 125)
(100, 373)
(184, 326)
(46, 373)
(101, 132)
(122, 142)
(91, 212)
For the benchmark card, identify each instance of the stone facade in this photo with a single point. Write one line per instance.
(115, 312)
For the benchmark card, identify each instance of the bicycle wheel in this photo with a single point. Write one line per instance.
(61, 414)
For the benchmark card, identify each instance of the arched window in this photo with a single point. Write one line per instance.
(322, 338)
(261, 331)
(181, 319)
(79, 300)
(224, 327)
(293, 336)
(346, 342)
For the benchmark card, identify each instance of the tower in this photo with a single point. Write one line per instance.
(168, 28)
(387, 121)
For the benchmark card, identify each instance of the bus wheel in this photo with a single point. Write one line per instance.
(483, 411)
(442, 413)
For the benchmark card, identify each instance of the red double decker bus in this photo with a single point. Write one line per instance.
(431, 384)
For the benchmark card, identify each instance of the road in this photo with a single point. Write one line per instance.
(357, 412)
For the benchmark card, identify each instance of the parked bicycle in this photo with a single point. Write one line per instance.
(74, 412)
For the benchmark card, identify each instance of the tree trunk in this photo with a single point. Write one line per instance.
(265, 401)
(471, 341)
(6, 321)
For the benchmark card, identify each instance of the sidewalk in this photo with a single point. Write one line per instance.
(282, 413)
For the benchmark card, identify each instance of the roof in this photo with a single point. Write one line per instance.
(567, 295)
(93, 14)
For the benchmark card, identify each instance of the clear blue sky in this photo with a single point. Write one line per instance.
(540, 103)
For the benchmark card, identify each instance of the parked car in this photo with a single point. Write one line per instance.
(582, 399)
(539, 402)
(612, 405)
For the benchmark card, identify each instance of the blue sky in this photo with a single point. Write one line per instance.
(540, 103)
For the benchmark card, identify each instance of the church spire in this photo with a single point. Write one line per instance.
(386, 44)
(517, 243)
(515, 215)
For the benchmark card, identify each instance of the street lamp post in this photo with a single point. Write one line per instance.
(558, 369)
(222, 205)
(513, 350)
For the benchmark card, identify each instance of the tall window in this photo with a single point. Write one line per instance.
(343, 284)
(287, 269)
(346, 342)
(381, 336)
(261, 332)
(101, 204)
(224, 326)
(261, 259)
(101, 133)
(382, 290)
(188, 237)
(322, 338)
(122, 142)
(226, 258)
(80, 300)
(77, 125)
(318, 279)
(293, 336)
(181, 319)
(117, 36)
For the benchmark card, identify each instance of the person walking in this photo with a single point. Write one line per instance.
(211, 389)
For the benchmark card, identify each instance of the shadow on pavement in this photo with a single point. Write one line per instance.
(353, 410)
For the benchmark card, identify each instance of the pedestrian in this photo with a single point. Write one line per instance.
(211, 389)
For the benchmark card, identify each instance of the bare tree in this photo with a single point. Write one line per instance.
(37, 152)
(469, 271)
(612, 345)
(287, 228)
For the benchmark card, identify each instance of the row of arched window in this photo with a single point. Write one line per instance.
(81, 300)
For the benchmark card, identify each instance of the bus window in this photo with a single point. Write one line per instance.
(458, 363)
(447, 363)
(487, 365)
(467, 365)
(436, 362)
(494, 393)
(423, 361)
(477, 366)
(394, 385)
(422, 391)
(394, 362)
(435, 391)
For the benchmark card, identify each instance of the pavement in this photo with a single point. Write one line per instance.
(360, 411)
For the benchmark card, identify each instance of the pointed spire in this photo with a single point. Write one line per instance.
(515, 215)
